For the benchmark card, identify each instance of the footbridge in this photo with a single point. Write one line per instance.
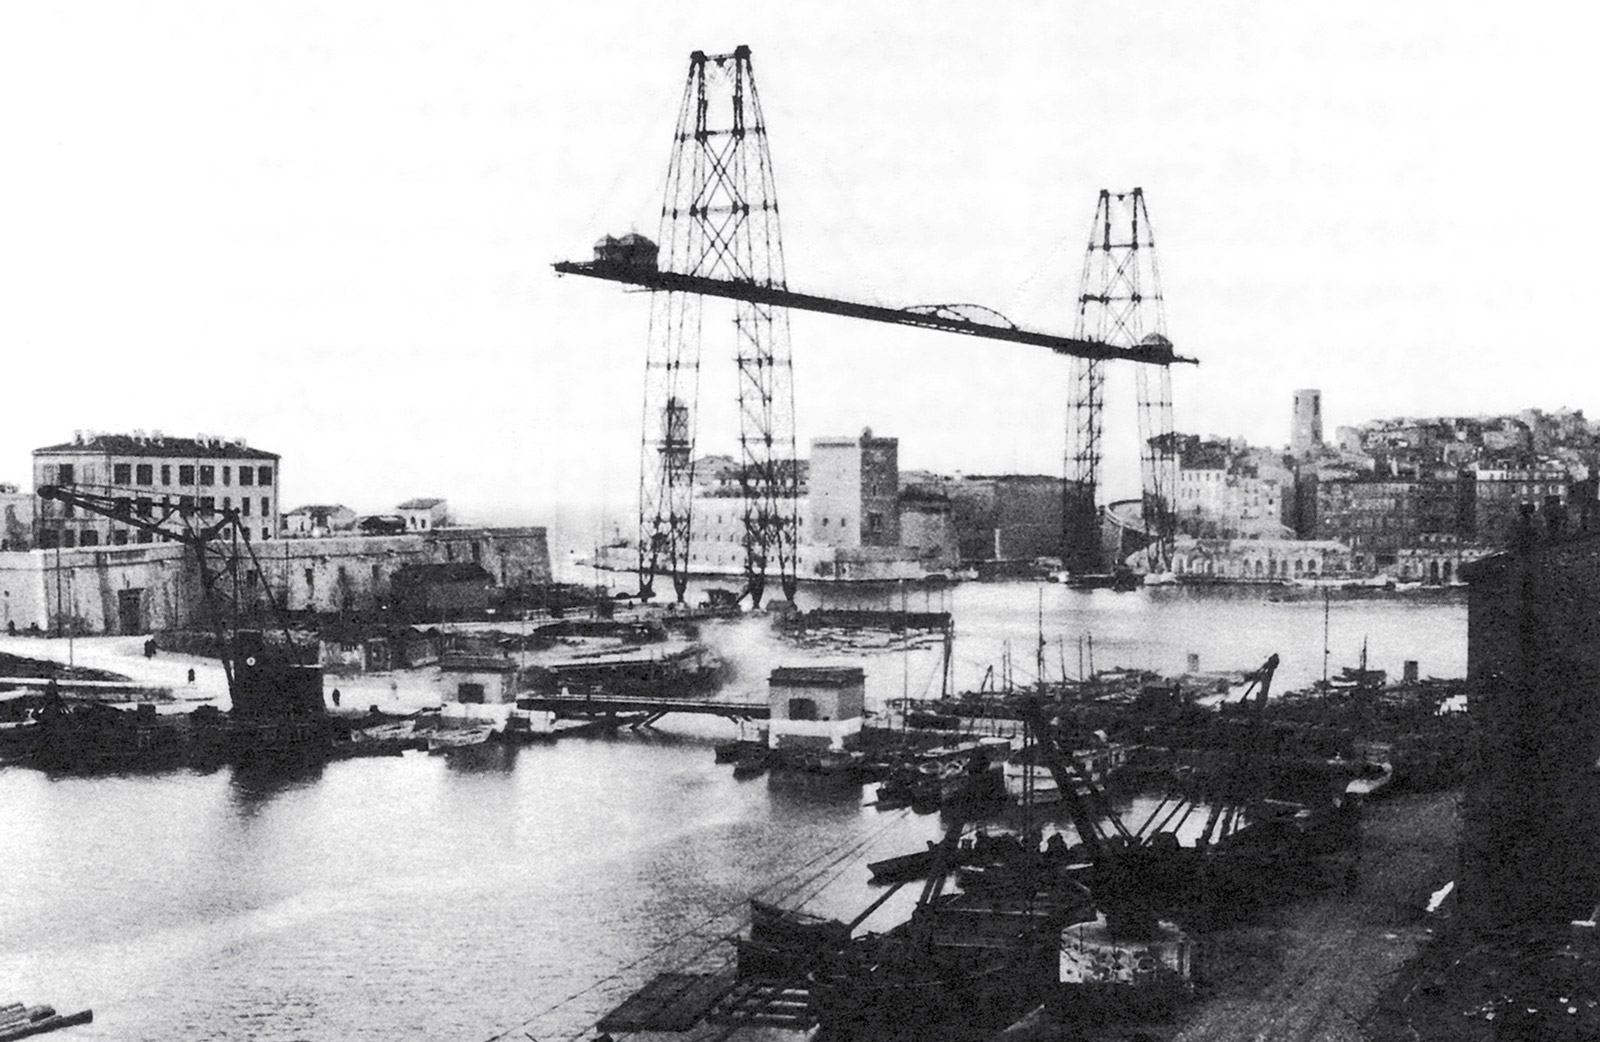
(641, 711)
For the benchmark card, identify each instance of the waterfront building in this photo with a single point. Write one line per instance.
(1505, 493)
(1225, 491)
(205, 472)
(1260, 560)
(853, 521)
(854, 486)
(1378, 515)
(1228, 490)
(815, 707)
(1437, 558)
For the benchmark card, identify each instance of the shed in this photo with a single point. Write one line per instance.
(816, 706)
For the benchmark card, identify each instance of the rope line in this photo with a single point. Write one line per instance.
(848, 849)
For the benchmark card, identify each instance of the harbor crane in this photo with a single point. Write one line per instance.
(265, 680)
(720, 237)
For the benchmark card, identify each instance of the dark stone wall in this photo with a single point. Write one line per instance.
(1531, 818)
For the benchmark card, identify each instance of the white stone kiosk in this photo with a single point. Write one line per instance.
(815, 707)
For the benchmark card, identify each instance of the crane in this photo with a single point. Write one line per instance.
(265, 680)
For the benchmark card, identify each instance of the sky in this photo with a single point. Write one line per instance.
(328, 227)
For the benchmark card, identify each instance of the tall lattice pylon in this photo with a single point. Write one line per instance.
(1120, 303)
(719, 219)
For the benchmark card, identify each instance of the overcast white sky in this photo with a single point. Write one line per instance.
(328, 227)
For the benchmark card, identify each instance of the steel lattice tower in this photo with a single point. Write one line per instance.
(1120, 303)
(719, 219)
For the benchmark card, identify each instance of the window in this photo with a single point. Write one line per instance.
(244, 501)
(264, 476)
(208, 475)
(166, 474)
(185, 474)
(208, 503)
(48, 538)
(144, 474)
(69, 539)
(874, 522)
(120, 537)
(89, 538)
(265, 534)
(802, 709)
(227, 502)
(266, 506)
(227, 475)
(122, 473)
(247, 476)
(66, 474)
(145, 537)
(469, 693)
(185, 505)
(143, 506)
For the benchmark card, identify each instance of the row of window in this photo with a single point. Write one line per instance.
(1264, 569)
(68, 538)
(144, 474)
(145, 507)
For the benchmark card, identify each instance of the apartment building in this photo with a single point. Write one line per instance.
(152, 469)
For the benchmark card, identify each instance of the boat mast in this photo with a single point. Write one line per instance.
(1326, 598)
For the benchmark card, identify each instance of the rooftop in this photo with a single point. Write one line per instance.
(817, 676)
(157, 444)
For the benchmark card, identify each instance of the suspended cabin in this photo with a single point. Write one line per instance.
(632, 249)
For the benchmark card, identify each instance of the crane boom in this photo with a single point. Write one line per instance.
(650, 277)
(263, 681)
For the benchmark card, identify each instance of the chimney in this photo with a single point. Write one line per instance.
(158, 438)
(77, 437)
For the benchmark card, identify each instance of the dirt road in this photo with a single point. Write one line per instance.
(1310, 972)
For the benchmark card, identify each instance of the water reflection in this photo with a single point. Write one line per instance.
(255, 784)
(483, 758)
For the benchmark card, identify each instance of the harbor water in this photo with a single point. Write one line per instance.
(529, 890)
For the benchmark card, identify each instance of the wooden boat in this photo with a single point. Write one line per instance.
(448, 740)
(771, 924)
(19, 1021)
(904, 867)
